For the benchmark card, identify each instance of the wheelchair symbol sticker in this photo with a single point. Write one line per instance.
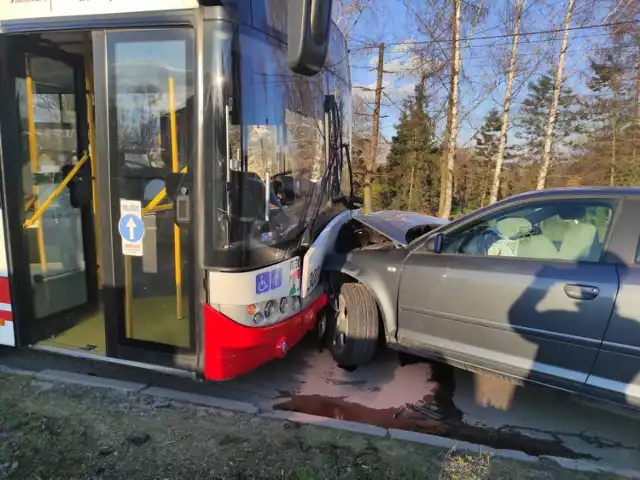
(270, 280)
(263, 282)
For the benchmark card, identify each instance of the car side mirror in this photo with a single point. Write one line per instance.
(308, 32)
(434, 243)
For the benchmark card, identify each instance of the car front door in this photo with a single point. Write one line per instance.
(520, 289)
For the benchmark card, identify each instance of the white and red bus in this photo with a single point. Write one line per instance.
(171, 174)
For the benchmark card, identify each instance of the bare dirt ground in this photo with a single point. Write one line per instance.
(51, 430)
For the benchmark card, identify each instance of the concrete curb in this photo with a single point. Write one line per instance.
(590, 467)
(204, 400)
(302, 418)
(355, 427)
(89, 381)
(15, 371)
(449, 443)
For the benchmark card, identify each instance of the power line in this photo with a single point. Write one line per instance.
(523, 44)
(595, 48)
(505, 35)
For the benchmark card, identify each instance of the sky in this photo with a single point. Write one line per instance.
(482, 86)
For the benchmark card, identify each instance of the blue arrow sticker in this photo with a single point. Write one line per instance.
(131, 228)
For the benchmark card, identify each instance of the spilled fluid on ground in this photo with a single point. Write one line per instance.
(448, 422)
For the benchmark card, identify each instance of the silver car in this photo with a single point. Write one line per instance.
(543, 286)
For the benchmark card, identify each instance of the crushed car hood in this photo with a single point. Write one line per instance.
(396, 224)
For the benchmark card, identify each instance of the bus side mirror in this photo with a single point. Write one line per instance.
(434, 243)
(308, 31)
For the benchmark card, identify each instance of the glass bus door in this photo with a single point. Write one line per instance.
(52, 172)
(151, 144)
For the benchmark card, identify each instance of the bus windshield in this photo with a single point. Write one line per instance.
(271, 155)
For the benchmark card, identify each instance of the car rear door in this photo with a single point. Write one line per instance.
(512, 304)
(616, 371)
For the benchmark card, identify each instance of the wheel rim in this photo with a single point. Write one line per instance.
(339, 337)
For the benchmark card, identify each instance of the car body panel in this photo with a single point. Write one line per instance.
(616, 371)
(396, 224)
(509, 311)
(314, 258)
(378, 269)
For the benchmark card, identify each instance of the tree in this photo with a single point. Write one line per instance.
(360, 141)
(452, 115)
(368, 178)
(411, 180)
(532, 120)
(608, 104)
(605, 153)
(511, 73)
(487, 145)
(553, 108)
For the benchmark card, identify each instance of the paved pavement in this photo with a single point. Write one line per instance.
(450, 402)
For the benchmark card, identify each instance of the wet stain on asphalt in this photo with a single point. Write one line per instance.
(351, 383)
(449, 423)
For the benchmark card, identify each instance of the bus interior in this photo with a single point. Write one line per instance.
(57, 120)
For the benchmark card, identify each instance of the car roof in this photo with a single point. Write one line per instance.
(568, 192)
(577, 191)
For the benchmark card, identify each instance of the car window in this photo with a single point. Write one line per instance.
(568, 230)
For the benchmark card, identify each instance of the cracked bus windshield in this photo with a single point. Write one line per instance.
(273, 157)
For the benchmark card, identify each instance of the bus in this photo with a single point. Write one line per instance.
(169, 169)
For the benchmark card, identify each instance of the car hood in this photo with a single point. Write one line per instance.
(396, 224)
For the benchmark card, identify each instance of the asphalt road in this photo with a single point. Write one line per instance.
(438, 399)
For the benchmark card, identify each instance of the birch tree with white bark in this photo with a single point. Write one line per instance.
(553, 109)
(452, 117)
(511, 74)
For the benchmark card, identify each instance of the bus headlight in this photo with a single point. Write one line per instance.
(258, 318)
(270, 309)
(295, 304)
(284, 301)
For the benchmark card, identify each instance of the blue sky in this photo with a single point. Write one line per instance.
(482, 87)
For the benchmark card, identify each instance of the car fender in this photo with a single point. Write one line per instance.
(380, 270)
(315, 256)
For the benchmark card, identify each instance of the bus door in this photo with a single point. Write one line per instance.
(49, 178)
(149, 140)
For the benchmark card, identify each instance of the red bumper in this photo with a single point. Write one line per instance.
(231, 349)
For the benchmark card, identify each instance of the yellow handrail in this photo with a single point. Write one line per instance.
(33, 155)
(88, 74)
(176, 230)
(158, 198)
(30, 203)
(43, 208)
(162, 208)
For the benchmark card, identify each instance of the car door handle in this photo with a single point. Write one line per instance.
(581, 292)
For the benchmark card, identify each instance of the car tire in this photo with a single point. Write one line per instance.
(355, 333)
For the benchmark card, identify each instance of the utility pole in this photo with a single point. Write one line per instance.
(368, 176)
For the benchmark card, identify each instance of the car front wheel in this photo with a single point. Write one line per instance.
(354, 338)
